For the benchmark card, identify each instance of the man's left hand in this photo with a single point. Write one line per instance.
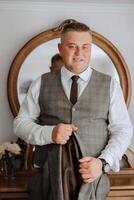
(90, 168)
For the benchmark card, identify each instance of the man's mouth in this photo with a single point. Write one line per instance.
(78, 59)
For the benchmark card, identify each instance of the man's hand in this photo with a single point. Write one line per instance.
(62, 132)
(90, 168)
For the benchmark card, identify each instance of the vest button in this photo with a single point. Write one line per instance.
(73, 109)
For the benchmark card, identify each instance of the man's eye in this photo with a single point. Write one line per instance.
(86, 47)
(71, 47)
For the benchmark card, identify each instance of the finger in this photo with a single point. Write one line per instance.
(85, 159)
(71, 127)
(90, 180)
(68, 128)
(63, 142)
(68, 133)
(66, 137)
(65, 132)
(86, 176)
(74, 128)
(83, 171)
(84, 165)
(64, 127)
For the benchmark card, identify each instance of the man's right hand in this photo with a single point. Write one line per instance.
(62, 132)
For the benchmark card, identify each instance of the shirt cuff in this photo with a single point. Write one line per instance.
(48, 134)
(114, 164)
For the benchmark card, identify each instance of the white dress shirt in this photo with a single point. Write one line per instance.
(119, 126)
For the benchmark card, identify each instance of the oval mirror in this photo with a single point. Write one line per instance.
(39, 60)
(105, 58)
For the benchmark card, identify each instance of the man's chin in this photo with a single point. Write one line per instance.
(78, 69)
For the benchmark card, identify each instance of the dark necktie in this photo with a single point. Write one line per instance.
(74, 89)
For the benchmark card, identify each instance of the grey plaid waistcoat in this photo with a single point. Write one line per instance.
(89, 114)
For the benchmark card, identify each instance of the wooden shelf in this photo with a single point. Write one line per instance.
(122, 186)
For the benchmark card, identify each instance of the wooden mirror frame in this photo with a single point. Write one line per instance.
(54, 33)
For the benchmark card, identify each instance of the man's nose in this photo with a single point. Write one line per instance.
(78, 50)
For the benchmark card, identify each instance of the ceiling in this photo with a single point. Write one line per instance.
(78, 1)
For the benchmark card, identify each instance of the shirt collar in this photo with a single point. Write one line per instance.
(85, 75)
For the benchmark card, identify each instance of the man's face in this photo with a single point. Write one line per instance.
(76, 51)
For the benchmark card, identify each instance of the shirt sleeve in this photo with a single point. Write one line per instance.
(120, 128)
(25, 125)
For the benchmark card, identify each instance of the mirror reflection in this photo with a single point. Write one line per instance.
(34, 59)
(39, 61)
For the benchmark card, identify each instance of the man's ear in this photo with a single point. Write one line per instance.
(60, 47)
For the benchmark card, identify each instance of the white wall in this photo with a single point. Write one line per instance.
(20, 21)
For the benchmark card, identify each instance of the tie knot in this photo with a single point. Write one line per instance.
(75, 78)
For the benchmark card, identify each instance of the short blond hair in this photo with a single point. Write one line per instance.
(75, 26)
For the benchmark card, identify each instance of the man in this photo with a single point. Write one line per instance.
(56, 62)
(78, 139)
